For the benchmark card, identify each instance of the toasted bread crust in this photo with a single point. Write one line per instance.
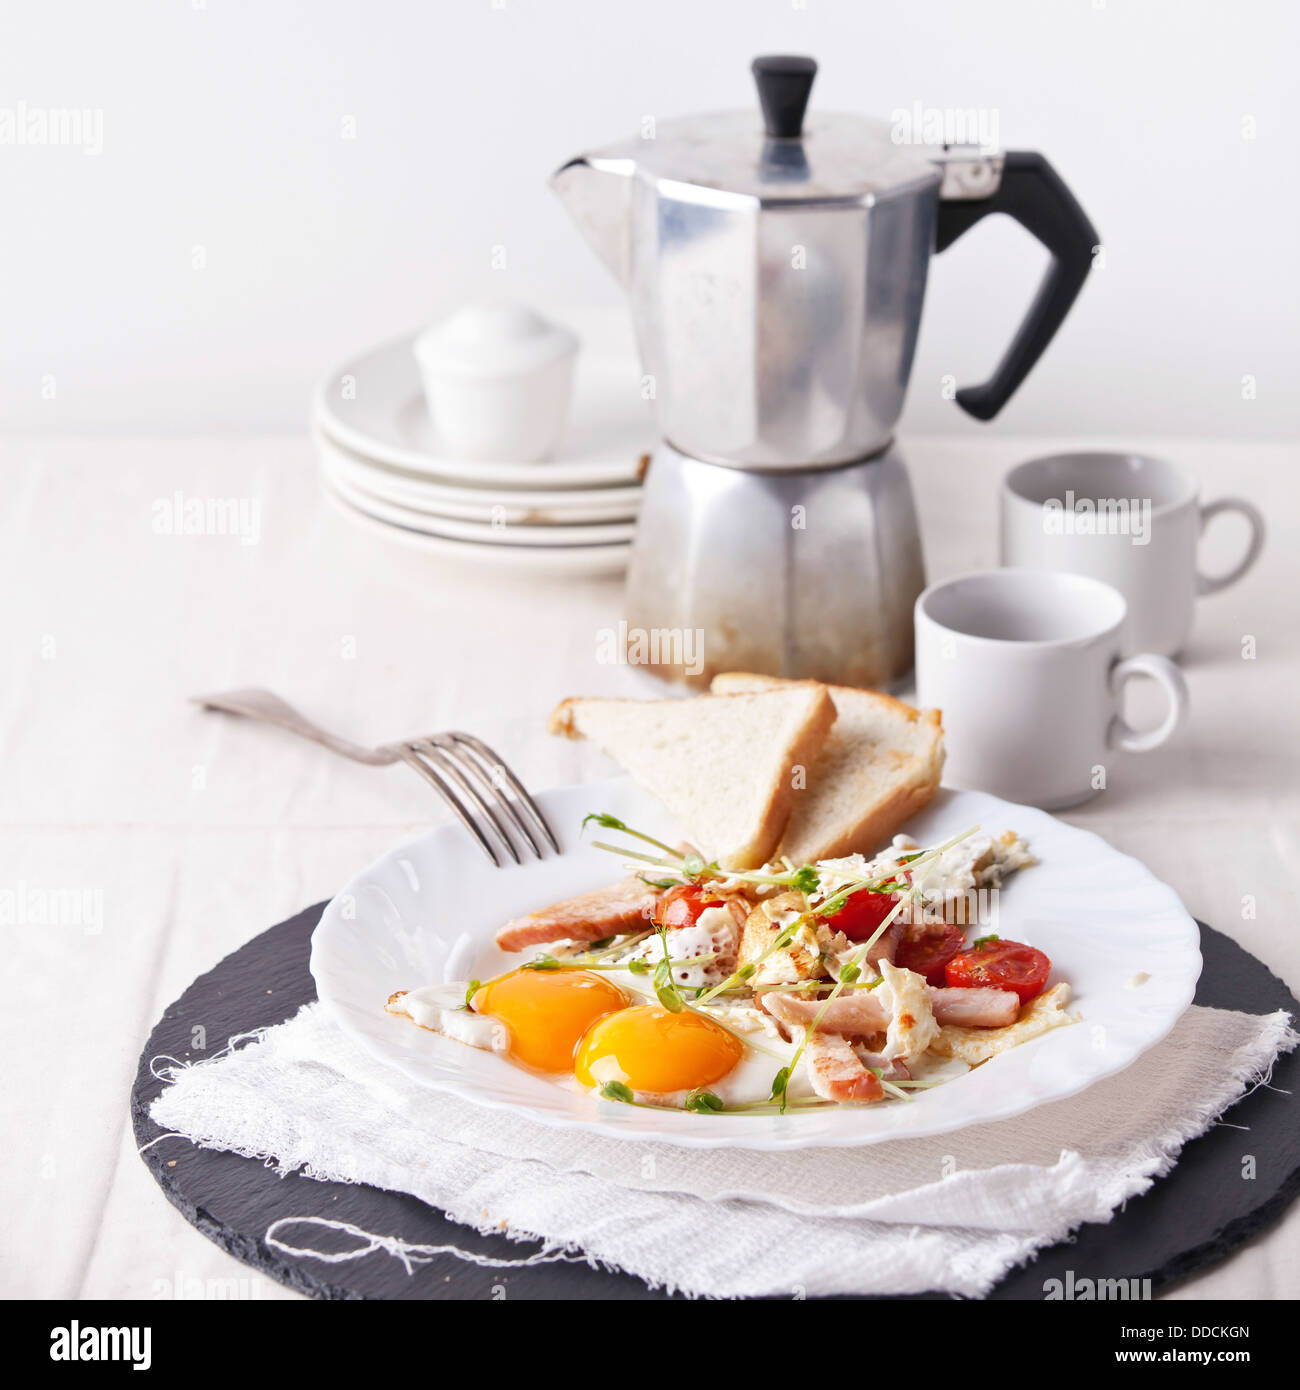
(737, 682)
(561, 720)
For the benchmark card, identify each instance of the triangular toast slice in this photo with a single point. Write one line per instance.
(879, 765)
(725, 766)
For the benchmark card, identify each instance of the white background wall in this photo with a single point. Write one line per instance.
(230, 242)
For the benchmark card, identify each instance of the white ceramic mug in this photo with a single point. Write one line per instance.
(1127, 519)
(1027, 670)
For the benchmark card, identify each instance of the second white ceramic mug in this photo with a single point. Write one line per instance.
(1027, 670)
(1128, 519)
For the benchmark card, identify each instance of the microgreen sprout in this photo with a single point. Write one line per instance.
(691, 866)
(798, 1102)
(704, 1103)
(471, 990)
(666, 990)
(608, 822)
(701, 1102)
(808, 987)
(626, 853)
(805, 879)
(542, 963)
(981, 941)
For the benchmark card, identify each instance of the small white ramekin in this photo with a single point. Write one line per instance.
(498, 378)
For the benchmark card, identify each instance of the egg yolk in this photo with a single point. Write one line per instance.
(547, 1011)
(650, 1049)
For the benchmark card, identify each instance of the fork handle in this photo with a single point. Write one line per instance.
(271, 709)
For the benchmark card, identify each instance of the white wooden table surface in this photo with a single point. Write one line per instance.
(192, 833)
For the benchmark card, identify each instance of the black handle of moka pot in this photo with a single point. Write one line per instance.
(784, 82)
(1034, 194)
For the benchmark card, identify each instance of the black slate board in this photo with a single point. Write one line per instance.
(1197, 1215)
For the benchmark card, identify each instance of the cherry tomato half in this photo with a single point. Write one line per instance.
(862, 914)
(1000, 965)
(929, 954)
(681, 906)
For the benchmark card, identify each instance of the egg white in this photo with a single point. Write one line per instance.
(441, 1009)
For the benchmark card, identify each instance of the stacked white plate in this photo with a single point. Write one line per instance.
(574, 513)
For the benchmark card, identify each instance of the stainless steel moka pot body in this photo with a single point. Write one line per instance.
(776, 269)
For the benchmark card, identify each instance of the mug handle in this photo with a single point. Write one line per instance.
(1212, 583)
(1122, 735)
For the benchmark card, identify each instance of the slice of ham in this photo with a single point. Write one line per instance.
(856, 1013)
(860, 1012)
(624, 907)
(975, 1008)
(836, 1072)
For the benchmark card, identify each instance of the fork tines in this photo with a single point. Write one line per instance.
(481, 791)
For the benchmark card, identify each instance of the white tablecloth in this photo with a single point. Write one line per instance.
(186, 833)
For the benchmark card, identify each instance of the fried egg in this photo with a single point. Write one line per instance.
(663, 1056)
(650, 1049)
(546, 1012)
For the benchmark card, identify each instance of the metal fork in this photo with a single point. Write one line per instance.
(463, 770)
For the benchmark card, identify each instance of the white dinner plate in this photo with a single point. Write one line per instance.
(426, 913)
(485, 533)
(563, 561)
(557, 507)
(374, 405)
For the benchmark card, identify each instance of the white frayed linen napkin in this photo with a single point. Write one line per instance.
(951, 1213)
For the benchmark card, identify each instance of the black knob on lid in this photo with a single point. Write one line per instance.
(784, 82)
